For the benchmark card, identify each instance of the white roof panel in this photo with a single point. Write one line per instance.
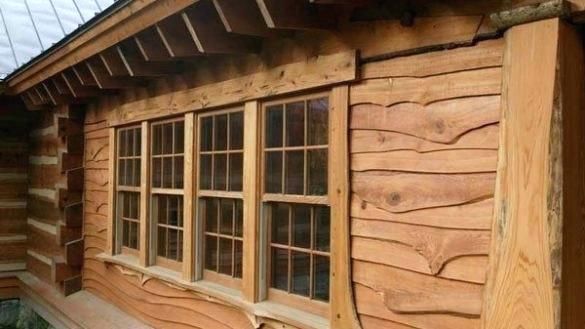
(28, 27)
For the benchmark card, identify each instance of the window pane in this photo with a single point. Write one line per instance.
(167, 172)
(239, 219)
(205, 172)
(129, 172)
(133, 205)
(137, 171)
(162, 242)
(179, 136)
(206, 134)
(178, 175)
(133, 235)
(172, 244)
(220, 132)
(219, 171)
(274, 126)
(226, 217)
(156, 172)
(211, 253)
(301, 269)
(211, 215)
(273, 172)
(236, 131)
(125, 233)
(173, 210)
(294, 172)
(180, 247)
(156, 139)
(236, 171)
(129, 144)
(295, 124)
(322, 227)
(122, 172)
(318, 112)
(279, 269)
(238, 252)
(317, 172)
(122, 143)
(225, 256)
(280, 216)
(321, 278)
(167, 143)
(301, 226)
(137, 141)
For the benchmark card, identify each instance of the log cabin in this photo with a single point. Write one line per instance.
(341, 164)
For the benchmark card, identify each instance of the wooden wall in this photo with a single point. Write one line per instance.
(54, 252)
(13, 178)
(424, 143)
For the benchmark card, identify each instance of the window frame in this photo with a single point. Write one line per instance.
(266, 200)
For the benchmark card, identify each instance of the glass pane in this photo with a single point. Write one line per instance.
(317, 172)
(211, 215)
(180, 247)
(279, 269)
(122, 143)
(220, 132)
(133, 198)
(205, 172)
(301, 222)
(322, 227)
(225, 256)
(238, 252)
(321, 278)
(219, 171)
(173, 204)
(161, 203)
(129, 145)
(226, 216)
(173, 244)
(295, 177)
(125, 233)
(273, 172)
(167, 144)
(129, 172)
(179, 136)
(236, 171)
(295, 124)
(137, 172)
(178, 177)
(162, 242)
(137, 141)
(318, 121)
(239, 219)
(206, 142)
(280, 213)
(211, 253)
(274, 126)
(134, 235)
(237, 131)
(122, 172)
(167, 172)
(301, 269)
(156, 172)
(156, 139)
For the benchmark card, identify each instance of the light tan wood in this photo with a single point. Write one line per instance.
(251, 197)
(111, 241)
(190, 191)
(145, 227)
(342, 312)
(314, 72)
(522, 288)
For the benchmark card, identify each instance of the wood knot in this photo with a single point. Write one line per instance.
(440, 126)
(393, 198)
(364, 205)
(381, 138)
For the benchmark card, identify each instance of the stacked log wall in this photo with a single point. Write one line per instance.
(13, 181)
(55, 192)
(423, 156)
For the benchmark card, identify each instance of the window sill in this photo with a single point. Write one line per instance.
(223, 295)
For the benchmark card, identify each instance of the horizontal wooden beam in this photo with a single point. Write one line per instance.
(315, 72)
(124, 23)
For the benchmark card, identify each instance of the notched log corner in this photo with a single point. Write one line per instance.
(508, 18)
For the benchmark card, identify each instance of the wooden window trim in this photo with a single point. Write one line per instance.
(201, 272)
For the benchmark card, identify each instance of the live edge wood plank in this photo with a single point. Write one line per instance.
(315, 72)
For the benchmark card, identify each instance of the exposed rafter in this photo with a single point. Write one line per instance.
(242, 17)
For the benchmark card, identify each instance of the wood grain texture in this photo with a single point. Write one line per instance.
(424, 138)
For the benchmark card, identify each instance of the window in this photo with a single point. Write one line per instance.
(167, 161)
(221, 136)
(296, 202)
(128, 190)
